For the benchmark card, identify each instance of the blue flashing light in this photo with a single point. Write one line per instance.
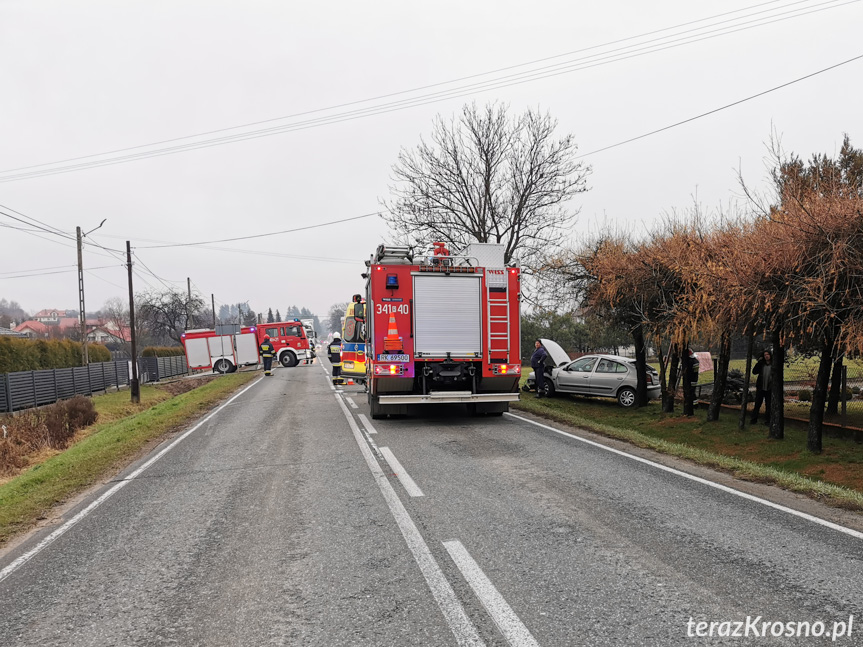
(253, 329)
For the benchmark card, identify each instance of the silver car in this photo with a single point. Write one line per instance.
(607, 376)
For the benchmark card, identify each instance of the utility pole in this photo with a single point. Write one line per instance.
(189, 286)
(134, 386)
(213, 301)
(82, 317)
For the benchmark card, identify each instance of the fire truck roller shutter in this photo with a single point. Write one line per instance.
(198, 353)
(447, 315)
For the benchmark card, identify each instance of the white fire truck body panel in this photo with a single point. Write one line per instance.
(246, 348)
(447, 315)
(198, 353)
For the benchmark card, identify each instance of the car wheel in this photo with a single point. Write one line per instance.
(548, 389)
(288, 359)
(626, 397)
(222, 366)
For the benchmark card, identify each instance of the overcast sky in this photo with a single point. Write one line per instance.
(86, 77)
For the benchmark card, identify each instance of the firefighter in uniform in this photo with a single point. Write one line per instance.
(267, 352)
(334, 354)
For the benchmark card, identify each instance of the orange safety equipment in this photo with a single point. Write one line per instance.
(392, 341)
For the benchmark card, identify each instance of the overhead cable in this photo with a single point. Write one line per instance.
(497, 83)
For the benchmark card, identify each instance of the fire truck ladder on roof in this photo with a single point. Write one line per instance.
(498, 322)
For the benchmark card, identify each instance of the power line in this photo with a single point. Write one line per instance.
(408, 91)
(715, 110)
(30, 224)
(36, 220)
(505, 81)
(75, 269)
(272, 233)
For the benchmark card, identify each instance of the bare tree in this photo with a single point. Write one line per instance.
(168, 313)
(491, 179)
(335, 316)
(115, 314)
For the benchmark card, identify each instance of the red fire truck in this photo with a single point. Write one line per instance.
(290, 340)
(228, 347)
(442, 328)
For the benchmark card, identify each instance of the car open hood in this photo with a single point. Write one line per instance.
(556, 354)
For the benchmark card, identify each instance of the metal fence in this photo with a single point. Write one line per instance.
(28, 389)
(844, 407)
(153, 369)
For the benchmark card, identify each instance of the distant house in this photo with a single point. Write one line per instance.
(33, 329)
(108, 334)
(49, 316)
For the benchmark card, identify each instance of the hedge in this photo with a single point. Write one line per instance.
(163, 351)
(35, 354)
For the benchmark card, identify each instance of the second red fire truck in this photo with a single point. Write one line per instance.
(442, 328)
(229, 347)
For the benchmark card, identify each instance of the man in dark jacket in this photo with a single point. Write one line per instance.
(762, 387)
(537, 363)
(268, 351)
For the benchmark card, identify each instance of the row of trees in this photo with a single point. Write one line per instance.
(789, 272)
(785, 269)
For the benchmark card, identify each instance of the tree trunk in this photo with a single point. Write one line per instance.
(777, 404)
(741, 423)
(640, 366)
(673, 366)
(720, 376)
(819, 395)
(835, 388)
(662, 370)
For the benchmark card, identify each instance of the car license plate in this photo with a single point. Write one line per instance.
(393, 358)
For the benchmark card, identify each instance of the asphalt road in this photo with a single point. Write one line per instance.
(289, 518)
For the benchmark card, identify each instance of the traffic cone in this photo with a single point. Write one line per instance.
(392, 341)
(350, 381)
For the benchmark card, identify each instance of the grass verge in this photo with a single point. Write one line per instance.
(834, 476)
(122, 431)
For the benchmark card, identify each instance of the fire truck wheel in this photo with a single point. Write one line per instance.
(288, 360)
(222, 366)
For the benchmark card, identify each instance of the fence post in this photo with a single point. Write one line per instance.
(35, 401)
(844, 395)
(89, 380)
(8, 387)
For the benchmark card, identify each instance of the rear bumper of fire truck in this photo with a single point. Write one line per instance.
(447, 397)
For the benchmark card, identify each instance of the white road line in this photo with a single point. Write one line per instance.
(352, 403)
(462, 628)
(408, 483)
(697, 479)
(504, 617)
(50, 539)
(367, 424)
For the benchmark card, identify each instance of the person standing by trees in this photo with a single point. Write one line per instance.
(762, 387)
(537, 363)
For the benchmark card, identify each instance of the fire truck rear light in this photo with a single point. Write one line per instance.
(506, 369)
(389, 369)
